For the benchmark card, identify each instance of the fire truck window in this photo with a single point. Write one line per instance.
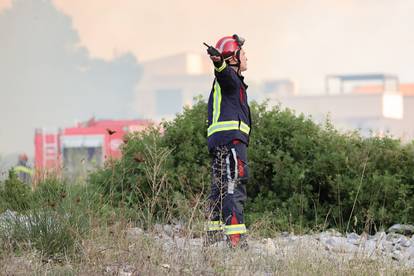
(79, 161)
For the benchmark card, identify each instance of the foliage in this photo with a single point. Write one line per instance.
(14, 194)
(53, 219)
(304, 176)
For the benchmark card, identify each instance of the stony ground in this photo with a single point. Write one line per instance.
(328, 252)
(173, 250)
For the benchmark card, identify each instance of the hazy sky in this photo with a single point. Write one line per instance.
(299, 39)
(48, 80)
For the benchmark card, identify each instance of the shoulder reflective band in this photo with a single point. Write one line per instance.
(222, 67)
(235, 229)
(214, 225)
(22, 169)
(227, 125)
(216, 102)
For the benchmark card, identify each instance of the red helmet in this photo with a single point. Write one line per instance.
(228, 46)
(23, 157)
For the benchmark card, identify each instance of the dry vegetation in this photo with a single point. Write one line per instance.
(121, 249)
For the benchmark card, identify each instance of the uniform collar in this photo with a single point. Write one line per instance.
(242, 80)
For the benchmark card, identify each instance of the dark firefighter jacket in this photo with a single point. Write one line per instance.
(228, 109)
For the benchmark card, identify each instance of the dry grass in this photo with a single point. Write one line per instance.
(113, 250)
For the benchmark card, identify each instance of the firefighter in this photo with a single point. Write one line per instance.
(23, 171)
(229, 124)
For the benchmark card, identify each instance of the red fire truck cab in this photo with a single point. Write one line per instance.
(88, 144)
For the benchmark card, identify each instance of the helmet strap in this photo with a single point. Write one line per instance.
(237, 64)
(238, 61)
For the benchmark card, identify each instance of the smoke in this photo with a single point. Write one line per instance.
(298, 39)
(46, 79)
(44, 68)
(326, 37)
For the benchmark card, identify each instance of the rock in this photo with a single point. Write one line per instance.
(403, 241)
(8, 215)
(379, 236)
(353, 238)
(158, 228)
(8, 218)
(111, 269)
(333, 233)
(168, 229)
(134, 233)
(270, 246)
(369, 247)
(166, 266)
(381, 245)
(284, 234)
(126, 270)
(324, 236)
(396, 255)
(409, 253)
(403, 229)
(340, 245)
(386, 246)
(178, 227)
(393, 237)
(292, 238)
(372, 237)
(181, 243)
(197, 242)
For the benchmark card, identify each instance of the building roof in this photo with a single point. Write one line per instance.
(406, 89)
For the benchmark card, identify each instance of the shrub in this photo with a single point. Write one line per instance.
(303, 175)
(55, 234)
(14, 194)
(50, 191)
(53, 219)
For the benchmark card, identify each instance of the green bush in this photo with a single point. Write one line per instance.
(50, 192)
(304, 176)
(173, 160)
(14, 194)
(53, 219)
(55, 234)
(318, 177)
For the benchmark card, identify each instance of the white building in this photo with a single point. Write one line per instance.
(172, 82)
(376, 104)
(374, 109)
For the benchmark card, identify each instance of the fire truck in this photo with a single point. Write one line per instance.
(73, 150)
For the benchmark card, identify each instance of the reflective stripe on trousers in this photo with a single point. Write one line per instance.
(228, 125)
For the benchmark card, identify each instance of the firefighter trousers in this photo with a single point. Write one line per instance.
(230, 173)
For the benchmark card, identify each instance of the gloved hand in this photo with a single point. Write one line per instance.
(215, 55)
(213, 51)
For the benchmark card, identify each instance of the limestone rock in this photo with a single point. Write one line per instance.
(404, 229)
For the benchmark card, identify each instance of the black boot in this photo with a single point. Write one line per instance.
(212, 237)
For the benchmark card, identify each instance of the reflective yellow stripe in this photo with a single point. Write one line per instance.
(23, 169)
(244, 127)
(235, 229)
(216, 102)
(221, 68)
(227, 125)
(214, 225)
